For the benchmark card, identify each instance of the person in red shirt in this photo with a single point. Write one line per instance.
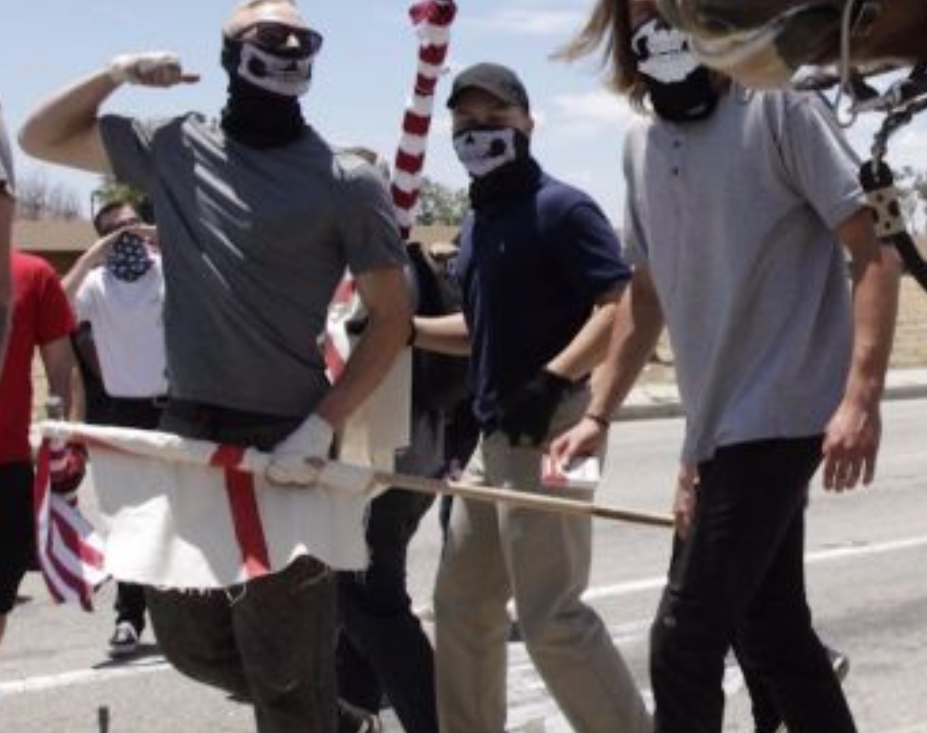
(7, 207)
(41, 319)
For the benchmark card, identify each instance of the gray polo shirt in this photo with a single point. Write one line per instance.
(7, 179)
(734, 216)
(254, 244)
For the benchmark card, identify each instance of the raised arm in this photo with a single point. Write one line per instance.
(65, 129)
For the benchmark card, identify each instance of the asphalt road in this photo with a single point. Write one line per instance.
(867, 561)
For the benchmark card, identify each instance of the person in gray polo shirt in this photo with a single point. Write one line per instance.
(737, 205)
(260, 218)
(7, 208)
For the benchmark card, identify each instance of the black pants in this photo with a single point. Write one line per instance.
(382, 647)
(144, 414)
(741, 575)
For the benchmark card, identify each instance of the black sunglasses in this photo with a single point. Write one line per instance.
(273, 35)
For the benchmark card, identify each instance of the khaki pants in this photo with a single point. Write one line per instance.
(495, 552)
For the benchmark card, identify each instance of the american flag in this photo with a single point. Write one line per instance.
(70, 552)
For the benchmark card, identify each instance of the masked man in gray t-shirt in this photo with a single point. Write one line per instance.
(736, 209)
(260, 219)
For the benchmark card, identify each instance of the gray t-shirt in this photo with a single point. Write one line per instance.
(254, 244)
(734, 217)
(7, 179)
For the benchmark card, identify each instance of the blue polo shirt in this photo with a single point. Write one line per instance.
(531, 271)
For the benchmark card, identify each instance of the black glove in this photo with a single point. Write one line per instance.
(527, 411)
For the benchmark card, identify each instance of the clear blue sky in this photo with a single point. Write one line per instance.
(362, 77)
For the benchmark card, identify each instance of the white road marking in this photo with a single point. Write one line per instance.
(82, 676)
(623, 635)
(834, 554)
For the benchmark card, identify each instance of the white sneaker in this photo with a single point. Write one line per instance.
(124, 641)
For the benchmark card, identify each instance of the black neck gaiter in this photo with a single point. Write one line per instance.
(256, 117)
(510, 182)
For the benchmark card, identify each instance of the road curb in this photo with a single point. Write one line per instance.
(645, 404)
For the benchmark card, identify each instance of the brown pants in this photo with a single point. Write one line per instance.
(270, 641)
(496, 552)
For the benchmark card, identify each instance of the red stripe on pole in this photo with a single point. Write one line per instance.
(404, 199)
(409, 163)
(425, 86)
(432, 55)
(414, 124)
(246, 518)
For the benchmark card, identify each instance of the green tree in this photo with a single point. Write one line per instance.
(111, 190)
(440, 204)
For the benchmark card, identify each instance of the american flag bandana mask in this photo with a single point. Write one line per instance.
(129, 258)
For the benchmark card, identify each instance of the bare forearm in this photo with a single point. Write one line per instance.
(636, 330)
(58, 360)
(875, 310)
(587, 350)
(443, 334)
(386, 299)
(876, 280)
(74, 278)
(368, 365)
(65, 128)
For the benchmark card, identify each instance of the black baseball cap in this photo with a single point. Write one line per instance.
(498, 80)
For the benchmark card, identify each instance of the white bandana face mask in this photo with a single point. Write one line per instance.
(662, 52)
(484, 150)
(286, 76)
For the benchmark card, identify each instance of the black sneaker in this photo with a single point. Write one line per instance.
(124, 642)
(840, 663)
(352, 719)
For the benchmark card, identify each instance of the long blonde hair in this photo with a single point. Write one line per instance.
(608, 30)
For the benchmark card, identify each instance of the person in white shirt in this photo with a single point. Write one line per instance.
(117, 288)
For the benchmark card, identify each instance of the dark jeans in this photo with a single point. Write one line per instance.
(382, 648)
(740, 575)
(144, 414)
(766, 718)
(270, 641)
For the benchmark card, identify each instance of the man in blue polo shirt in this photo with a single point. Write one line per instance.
(541, 274)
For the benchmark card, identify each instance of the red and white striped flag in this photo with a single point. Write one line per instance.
(69, 550)
(432, 19)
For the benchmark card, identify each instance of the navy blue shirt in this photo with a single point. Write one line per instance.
(531, 271)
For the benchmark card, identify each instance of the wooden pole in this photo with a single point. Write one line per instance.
(344, 476)
(529, 500)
